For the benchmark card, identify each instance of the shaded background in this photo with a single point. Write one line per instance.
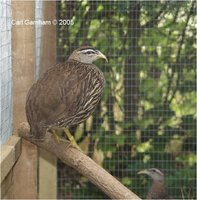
(147, 114)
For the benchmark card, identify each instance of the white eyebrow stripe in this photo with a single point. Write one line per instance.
(159, 172)
(88, 50)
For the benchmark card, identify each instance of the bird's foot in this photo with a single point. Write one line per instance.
(56, 136)
(71, 139)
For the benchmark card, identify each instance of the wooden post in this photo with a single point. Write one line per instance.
(47, 161)
(23, 62)
(48, 40)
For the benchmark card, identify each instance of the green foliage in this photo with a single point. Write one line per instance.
(159, 53)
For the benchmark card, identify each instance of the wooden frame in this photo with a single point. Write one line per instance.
(9, 155)
(47, 163)
(23, 70)
(30, 168)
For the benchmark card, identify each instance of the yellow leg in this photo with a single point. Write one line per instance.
(56, 136)
(71, 139)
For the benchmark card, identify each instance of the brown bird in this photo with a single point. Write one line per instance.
(158, 189)
(66, 95)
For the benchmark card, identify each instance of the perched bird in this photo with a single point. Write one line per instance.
(66, 95)
(157, 190)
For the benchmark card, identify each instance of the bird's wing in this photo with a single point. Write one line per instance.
(59, 92)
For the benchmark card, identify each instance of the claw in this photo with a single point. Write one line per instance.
(56, 136)
(71, 139)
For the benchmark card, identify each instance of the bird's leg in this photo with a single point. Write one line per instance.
(71, 139)
(56, 136)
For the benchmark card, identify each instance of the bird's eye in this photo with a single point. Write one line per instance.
(89, 52)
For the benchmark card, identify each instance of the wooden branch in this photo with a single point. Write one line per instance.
(82, 163)
(153, 22)
(179, 69)
(170, 76)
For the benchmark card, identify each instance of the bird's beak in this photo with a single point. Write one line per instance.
(145, 171)
(100, 55)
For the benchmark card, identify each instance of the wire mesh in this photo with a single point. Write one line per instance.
(5, 70)
(147, 114)
(38, 34)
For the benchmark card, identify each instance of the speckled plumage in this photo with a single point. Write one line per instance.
(66, 95)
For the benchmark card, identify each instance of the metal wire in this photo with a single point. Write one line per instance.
(5, 70)
(38, 34)
(140, 119)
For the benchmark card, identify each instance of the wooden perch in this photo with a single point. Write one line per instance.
(82, 163)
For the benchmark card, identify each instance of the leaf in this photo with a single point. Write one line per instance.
(188, 123)
(187, 86)
(158, 111)
(110, 142)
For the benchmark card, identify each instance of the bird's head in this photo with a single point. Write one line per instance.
(154, 173)
(87, 54)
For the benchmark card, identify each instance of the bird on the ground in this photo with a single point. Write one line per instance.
(158, 189)
(65, 95)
